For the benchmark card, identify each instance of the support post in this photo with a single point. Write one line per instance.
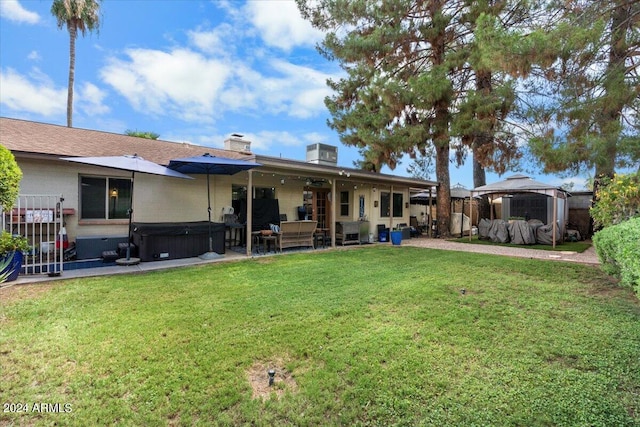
(248, 234)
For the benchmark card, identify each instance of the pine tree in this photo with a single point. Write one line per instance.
(398, 94)
(417, 80)
(589, 116)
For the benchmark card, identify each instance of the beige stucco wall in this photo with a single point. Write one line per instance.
(156, 198)
(165, 199)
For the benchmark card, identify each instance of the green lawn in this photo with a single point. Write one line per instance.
(371, 336)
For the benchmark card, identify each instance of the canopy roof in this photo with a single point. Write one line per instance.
(519, 184)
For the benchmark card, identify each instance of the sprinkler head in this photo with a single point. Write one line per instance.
(272, 374)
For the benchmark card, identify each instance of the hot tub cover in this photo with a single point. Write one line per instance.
(174, 228)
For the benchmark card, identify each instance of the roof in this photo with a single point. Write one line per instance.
(21, 136)
(280, 165)
(519, 184)
(41, 139)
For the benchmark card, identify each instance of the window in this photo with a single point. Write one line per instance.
(104, 198)
(385, 204)
(344, 203)
(397, 204)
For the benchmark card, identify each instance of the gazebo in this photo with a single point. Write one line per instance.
(523, 184)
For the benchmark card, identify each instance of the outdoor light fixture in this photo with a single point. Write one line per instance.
(113, 192)
(282, 181)
(272, 374)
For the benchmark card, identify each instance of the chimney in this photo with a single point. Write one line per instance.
(236, 143)
(322, 154)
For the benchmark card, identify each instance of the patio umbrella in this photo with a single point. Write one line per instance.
(133, 164)
(210, 165)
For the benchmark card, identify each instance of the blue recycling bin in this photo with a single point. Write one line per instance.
(383, 236)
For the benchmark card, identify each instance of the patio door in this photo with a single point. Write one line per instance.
(321, 208)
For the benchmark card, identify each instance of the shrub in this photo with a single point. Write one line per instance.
(618, 248)
(10, 176)
(618, 200)
(10, 243)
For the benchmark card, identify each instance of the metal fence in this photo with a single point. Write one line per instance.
(39, 217)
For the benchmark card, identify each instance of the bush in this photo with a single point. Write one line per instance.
(618, 248)
(10, 176)
(618, 200)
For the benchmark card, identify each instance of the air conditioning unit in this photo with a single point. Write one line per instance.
(322, 154)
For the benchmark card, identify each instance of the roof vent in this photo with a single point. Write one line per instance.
(322, 154)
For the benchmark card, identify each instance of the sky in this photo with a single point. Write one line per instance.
(189, 70)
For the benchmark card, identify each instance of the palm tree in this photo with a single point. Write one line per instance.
(77, 15)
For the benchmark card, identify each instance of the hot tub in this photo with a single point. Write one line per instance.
(172, 240)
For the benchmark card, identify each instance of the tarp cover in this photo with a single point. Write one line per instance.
(520, 233)
(174, 228)
(544, 235)
(483, 229)
(499, 231)
(535, 224)
(455, 226)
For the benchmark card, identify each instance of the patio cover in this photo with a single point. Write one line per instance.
(523, 184)
(211, 165)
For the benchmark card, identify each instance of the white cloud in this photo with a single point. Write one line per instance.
(301, 89)
(213, 42)
(12, 10)
(90, 99)
(279, 88)
(267, 140)
(34, 56)
(33, 94)
(281, 25)
(315, 137)
(226, 69)
(191, 86)
(180, 82)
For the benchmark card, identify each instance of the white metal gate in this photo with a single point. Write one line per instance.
(39, 217)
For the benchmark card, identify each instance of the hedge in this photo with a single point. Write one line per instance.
(618, 248)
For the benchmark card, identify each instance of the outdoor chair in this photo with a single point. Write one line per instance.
(415, 228)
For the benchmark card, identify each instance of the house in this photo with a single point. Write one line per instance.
(95, 200)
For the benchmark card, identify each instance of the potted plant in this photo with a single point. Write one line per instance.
(11, 255)
(396, 236)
